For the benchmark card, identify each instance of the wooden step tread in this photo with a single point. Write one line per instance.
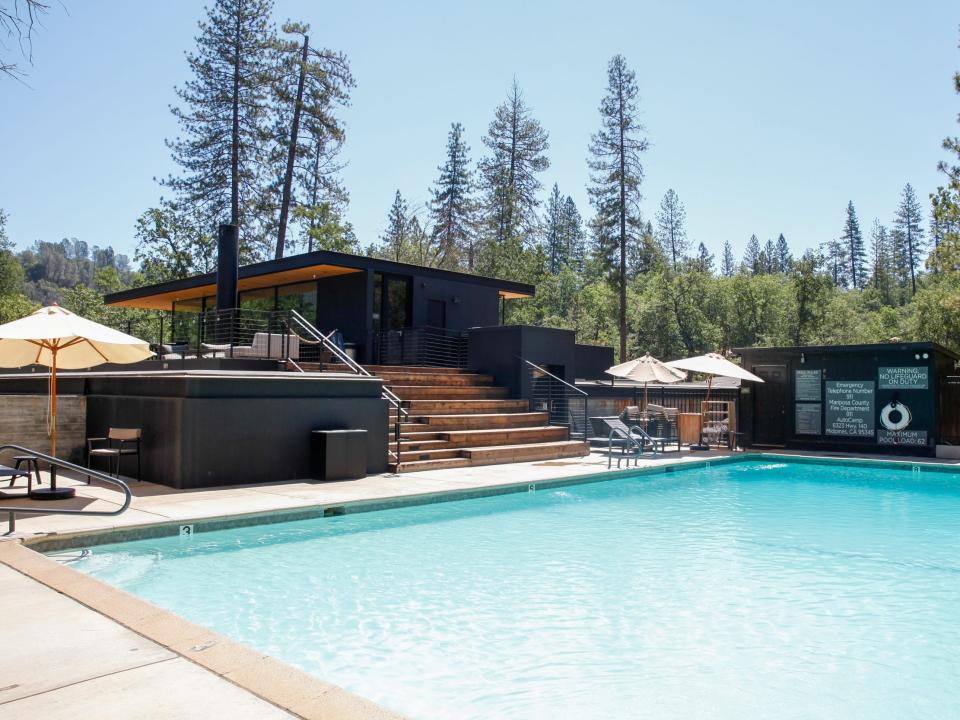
(500, 454)
(446, 392)
(465, 380)
(436, 370)
(474, 422)
(463, 407)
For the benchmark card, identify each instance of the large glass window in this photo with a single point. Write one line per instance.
(301, 297)
(259, 299)
(392, 300)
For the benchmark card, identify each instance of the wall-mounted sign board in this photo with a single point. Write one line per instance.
(806, 385)
(851, 408)
(807, 418)
(912, 438)
(903, 378)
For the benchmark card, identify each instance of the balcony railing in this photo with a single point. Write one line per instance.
(424, 345)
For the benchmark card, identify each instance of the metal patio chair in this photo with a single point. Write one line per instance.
(119, 442)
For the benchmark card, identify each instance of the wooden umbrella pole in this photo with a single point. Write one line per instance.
(53, 403)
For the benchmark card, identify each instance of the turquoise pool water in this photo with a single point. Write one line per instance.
(748, 590)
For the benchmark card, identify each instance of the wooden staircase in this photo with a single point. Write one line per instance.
(460, 419)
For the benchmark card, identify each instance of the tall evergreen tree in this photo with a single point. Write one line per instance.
(517, 145)
(728, 265)
(771, 264)
(671, 228)
(880, 260)
(223, 113)
(751, 257)
(616, 176)
(309, 84)
(784, 258)
(557, 243)
(837, 262)
(396, 238)
(908, 220)
(452, 207)
(703, 262)
(856, 254)
(576, 240)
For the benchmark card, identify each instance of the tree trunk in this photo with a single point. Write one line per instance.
(623, 234)
(292, 151)
(235, 132)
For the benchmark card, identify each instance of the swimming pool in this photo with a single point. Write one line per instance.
(755, 589)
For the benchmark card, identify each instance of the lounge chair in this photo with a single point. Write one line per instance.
(631, 440)
(663, 425)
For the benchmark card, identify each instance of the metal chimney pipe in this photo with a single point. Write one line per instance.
(228, 266)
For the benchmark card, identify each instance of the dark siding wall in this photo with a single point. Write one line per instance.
(838, 364)
(343, 302)
(467, 305)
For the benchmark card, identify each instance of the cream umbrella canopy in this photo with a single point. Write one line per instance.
(713, 365)
(55, 337)
(646, 369)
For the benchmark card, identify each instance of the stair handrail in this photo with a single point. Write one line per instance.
(550, 374)
(358, 369)
(44, 510)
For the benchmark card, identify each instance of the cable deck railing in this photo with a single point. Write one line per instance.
(566, 404)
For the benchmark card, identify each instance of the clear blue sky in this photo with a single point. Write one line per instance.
(765, 117)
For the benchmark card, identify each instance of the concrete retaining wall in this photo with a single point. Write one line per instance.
(23, 421)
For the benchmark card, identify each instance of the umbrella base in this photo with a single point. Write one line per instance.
(700, 447)
(52, 493)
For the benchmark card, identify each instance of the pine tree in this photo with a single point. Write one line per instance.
(555, 232)
(671, 228)
(703, 262)
(751, 257)
(223, 116)
(771, 264)
(517, 145)
(856, 254)
(784, 258)
(880, 260)
(728, 265)
(838, 266)
(452, 207)
(908, 220)
(308, 85)
(899, 262)
(616, 176)
(396, 238)
(576, 240)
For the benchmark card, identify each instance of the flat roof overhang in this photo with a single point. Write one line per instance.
(294, 269)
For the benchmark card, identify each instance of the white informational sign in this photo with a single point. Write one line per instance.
(807, 418)
(911, 438)
(903, 378)
(850, 408)
(806, 385)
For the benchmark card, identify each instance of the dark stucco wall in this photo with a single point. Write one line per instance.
(204, 429)
(467, 305)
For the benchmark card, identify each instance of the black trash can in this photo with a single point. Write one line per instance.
(338, 454)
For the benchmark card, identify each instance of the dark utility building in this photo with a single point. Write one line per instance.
(364, 298)
(898, 398)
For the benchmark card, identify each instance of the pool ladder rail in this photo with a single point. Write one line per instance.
(48, 510)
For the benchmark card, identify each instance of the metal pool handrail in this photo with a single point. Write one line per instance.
(57, 462)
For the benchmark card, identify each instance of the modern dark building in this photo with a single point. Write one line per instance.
(362, 297)
(894, 398)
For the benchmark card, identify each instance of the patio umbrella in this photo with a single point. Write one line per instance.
(646, 369)
(713, 365)
(55, 337)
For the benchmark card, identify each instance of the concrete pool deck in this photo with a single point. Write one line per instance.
(77, 647)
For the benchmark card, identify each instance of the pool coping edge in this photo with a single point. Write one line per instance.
(282, 685)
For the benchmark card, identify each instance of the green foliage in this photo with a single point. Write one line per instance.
(517, 146)
(223, 117)
(173, 243)
(452, 206)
